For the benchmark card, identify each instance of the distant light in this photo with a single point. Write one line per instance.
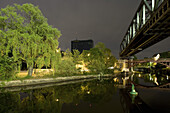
(150, 77)
(157, 57)
(139, 75)
(88, 54)
(115, 79)
(111, 67)
(88, 92)
(167, 77)
(57, 51)
(57, 100)
(155, 80)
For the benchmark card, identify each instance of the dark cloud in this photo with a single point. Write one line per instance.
(101, 20)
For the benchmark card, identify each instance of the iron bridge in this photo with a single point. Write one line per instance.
(150, 24)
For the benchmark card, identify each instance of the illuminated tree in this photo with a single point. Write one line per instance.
(25, 33)
(108, 56)
(99, 58)
(94, 60)
(67, 66)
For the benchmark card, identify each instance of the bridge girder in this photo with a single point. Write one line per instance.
(150, 25)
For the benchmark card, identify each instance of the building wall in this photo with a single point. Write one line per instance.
(81, 45)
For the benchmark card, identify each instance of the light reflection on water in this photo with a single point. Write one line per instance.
(96, 96)
(149, 79)
(93, 96)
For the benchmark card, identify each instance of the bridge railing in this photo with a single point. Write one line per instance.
(146, 15)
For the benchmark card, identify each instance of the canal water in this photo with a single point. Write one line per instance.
(104, 95)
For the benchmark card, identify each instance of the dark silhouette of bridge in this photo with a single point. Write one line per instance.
(150, 24)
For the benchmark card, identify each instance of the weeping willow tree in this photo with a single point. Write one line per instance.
(25, 33)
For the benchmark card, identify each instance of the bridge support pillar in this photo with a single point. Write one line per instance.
(131, 64)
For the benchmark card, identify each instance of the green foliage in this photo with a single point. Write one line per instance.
(94, 60)
(7, 67)
(67, 66)
(25, 32)
(99, 59)
(108, 57)
(77, 57)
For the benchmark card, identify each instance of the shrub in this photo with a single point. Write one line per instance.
(67, 67)
(7, 67)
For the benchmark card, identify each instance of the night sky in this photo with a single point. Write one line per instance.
(100, 20)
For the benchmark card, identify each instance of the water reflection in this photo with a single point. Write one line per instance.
(151, 98)
(149, 79)
(96, 96)
(133, 103)
(53, 99)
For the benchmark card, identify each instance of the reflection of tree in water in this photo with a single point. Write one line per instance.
(9, 102)
(51, 99)
(99, 92)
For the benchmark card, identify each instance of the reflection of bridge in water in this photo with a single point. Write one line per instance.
(126, 81)
(150, 99)
(133, 104)
(147, 101)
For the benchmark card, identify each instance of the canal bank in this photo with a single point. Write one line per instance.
(32, 82)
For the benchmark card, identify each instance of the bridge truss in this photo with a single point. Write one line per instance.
(150, 25)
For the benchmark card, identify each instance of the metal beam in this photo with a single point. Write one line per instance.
(153, 5)
(147, 5)
(138, 21)
(144, 15)
(134, 29)
(145, 23)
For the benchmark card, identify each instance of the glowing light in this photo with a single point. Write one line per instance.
(88, 92)
(111, 67)
(139, 75)
(88, 54)
(115, 79)
(57, 99)
(57, 50)
(157, 57)
(150, 77)
(167, 77)
(155, 80)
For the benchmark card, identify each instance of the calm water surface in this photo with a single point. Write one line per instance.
(96, 96)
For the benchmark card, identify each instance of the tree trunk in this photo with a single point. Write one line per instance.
(30, 70)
